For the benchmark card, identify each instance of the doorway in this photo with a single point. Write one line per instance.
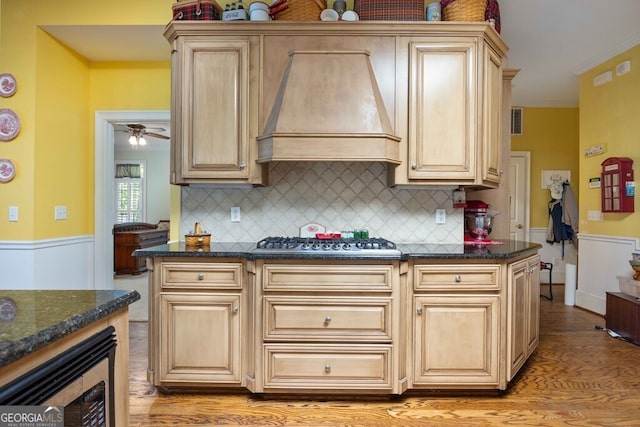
(519, 192)
(104, 186)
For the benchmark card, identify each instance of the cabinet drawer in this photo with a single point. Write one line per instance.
(456, 277)
(202, 275)
(327, 318)
(327, 277)
(327, 367)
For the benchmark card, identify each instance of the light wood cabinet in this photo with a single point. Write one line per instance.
(200, 338)
(438, 90)
(345, 326)
(330, 326)
(453, 133)
(523, 312)
(456, 326)
(214, 118)
(197, 317)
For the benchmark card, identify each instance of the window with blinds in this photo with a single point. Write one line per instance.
(130, 194)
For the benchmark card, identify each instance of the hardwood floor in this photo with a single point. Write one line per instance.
(578, 376)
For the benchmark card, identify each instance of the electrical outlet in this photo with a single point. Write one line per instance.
(441, 216)
(13, 213)
(60, 212)
(235, 214)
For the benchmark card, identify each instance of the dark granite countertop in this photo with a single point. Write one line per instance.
(506, 250)
(31, 319)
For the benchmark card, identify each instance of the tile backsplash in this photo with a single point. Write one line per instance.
(338, 195)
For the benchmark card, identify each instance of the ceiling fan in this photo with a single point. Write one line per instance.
(137, 133)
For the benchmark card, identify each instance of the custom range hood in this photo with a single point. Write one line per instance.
(328, 108)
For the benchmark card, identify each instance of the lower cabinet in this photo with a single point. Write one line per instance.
(200, 338)
(344, 327)
(456, 341)
(196, 318)
(456, 326)
(330, 328)
(523, 312)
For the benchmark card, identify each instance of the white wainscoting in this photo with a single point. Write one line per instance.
(65, 263)
(552, 253)
(602, 259)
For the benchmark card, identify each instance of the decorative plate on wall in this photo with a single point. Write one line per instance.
(7, 170)
(9, 124)
(8, 85)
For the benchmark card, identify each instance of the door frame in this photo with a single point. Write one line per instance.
(527, 191)
(104, 186)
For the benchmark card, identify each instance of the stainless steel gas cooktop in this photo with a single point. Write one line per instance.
(374, 247)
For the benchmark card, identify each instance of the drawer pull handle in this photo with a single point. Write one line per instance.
(327, 368)
(235, 310)
(419, 310)
(327, 319)
(200, 276)
(458, 278)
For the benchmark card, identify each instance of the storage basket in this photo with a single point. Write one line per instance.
(384, 10)
(197, 239)
(464, 10)
(297, 10)
(197, 10)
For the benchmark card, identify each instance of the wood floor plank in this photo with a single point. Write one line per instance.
(578, 376)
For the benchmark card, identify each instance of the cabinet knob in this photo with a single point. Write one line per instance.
(235, 310)
(414, 166)
(327, 368)
(200, 276)
(458, 278)
(242, 165)
(519, 226)
(327, 319)
(419, 310)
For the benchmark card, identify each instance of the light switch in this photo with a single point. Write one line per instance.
(441, 216)
(60, 212)
(13, 213)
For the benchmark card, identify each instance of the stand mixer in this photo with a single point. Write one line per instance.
(478, 222)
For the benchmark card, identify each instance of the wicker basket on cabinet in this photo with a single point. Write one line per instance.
(297, 10)
(464, 10)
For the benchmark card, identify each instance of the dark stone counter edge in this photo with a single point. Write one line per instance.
(16, 350)
(470, 253)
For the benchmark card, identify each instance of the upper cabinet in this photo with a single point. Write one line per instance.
(213, 114)
(450, 109)
(423, 97)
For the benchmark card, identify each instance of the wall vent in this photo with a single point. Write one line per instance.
(516, 121)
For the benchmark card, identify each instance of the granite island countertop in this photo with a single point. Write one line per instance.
(500, 250)
(32, 319)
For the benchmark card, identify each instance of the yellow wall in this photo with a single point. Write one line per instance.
(58, 93)
(551, 135)
(609, 114)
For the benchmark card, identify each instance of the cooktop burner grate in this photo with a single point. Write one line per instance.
(342, 246)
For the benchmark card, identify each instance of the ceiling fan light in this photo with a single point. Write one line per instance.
(133, 140)
(142, 141)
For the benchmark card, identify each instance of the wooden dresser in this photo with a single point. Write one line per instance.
(131, 236)
(623, 316)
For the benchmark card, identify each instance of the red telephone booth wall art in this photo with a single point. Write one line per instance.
(617, 185)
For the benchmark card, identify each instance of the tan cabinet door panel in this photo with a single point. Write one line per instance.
(200, 338)
(442, 105)
(456, 340)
